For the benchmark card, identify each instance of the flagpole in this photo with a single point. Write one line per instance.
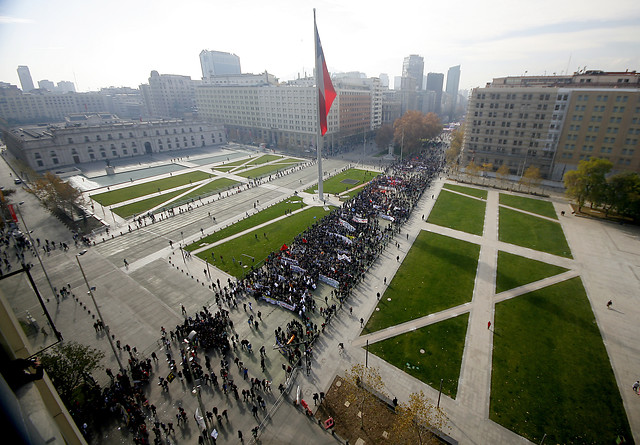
(319, 139)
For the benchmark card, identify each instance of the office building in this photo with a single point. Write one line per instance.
(218, 63)
(65, 86)
(284, 115)
(435, 82)
(46, 85)
(412, 73)
(100, 137)
(25, 78)
(453, 83)
(169, 95)
(553, 122)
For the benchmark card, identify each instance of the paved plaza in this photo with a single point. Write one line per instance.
(136, 300)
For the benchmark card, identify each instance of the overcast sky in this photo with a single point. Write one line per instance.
(117, 43)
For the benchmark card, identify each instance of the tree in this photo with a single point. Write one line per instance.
(452, 154)
(623, 194)
(472, 168)
(68, 365)
(384, 136)
(56, 194)
(363, 382)
(416, 418)
(414, 128)
(531, 177)
(588, 182)
(503, 172)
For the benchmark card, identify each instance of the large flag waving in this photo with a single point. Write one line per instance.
(326, 93)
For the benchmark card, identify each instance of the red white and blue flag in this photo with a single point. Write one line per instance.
(326, 92)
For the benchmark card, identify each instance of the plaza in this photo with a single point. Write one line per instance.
(136, 300)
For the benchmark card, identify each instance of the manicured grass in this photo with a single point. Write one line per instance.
(217, 185)
(148, 188)
(293, 203)
(138, 207)
(537, 206)
(551, 373)
(264, 159)
(438, 273)
(223, 168)
(236, 163)
(259, 172)
(259, 247)
(335, 185)
(458, 213)
(478, 193)
(514, 271)
(530, 231)
(442, 343)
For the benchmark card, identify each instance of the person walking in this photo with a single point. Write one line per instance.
(609, 304)
(361, 322)
(489, 325)
(240, 436)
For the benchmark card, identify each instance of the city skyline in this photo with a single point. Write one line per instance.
(119, 44)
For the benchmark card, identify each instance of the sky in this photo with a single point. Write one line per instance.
(98, 44)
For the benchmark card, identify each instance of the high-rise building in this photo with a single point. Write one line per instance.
(25, 78)
(453, 83)
(412, 68)
(169, 95)
(435, 82)
(46, 85)
(65, 86)
(218, 63)
(384, 80)
(553, 122)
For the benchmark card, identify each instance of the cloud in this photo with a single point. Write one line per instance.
(6, 20)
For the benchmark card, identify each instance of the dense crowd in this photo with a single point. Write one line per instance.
(339, 249)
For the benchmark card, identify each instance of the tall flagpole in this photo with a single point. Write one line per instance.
(319, 138)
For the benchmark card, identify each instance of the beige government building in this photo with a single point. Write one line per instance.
(553, 122)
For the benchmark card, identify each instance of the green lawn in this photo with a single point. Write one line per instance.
(335, 185)
(438, 273)
(259, 172)
(138, 207)
(223, 168)
(282, 232)
(442, 343)
(264, 159)
(217, 185)
(148, 188)
(293, 203)
(478, 193)
(537, 206)
(530, 231)
(458, 212)
(551, 373)
(514, 271)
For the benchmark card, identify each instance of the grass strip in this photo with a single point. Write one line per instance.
(458, 212)
(438, 273)
(551, 373)
(148, 188)
(515, 271)
(430, 353)
(537, 206)
(532, 232)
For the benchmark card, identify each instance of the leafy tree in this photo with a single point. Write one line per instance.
(384, 136)
(623, 194)
(416, 418)
(531, 177)
(452, 154)
(363, 381)
(472, 168)
(56, 194)
(503, 172)
(414, 128)
(68, 365)
(588, 182)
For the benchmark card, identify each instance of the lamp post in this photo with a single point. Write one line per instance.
(35, 248)
(106, 327)
(196, 388)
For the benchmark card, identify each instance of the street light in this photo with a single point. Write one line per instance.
(35, 248)
(106, 327)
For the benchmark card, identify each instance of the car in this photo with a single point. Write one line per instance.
(17, 181)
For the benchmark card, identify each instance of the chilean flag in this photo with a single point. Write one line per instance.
(326, 92)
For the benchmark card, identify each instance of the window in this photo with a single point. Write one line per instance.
(70, 140)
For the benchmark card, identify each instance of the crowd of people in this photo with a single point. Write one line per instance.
(339, 249)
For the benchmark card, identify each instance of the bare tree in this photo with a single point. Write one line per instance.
(364, 382)
(416, 420)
